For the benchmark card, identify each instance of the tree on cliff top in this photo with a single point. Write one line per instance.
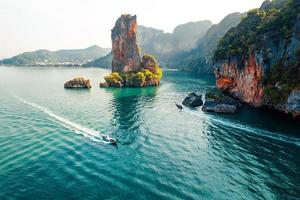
(248, 35)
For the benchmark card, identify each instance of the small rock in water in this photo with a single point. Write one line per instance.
(104, 85)
(78, 83)
(293, 103)
(193, 100)
(220, 103)
(219, 107)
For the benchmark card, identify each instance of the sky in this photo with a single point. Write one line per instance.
(28, 25)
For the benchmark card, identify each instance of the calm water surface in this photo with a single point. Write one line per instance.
(50, 146)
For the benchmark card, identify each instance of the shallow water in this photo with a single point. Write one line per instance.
(50, 145)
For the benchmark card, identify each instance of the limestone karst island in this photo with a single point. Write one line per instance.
(151, 100)
(129, 68)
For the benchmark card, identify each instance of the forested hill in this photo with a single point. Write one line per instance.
(264, 51)
(60, 57)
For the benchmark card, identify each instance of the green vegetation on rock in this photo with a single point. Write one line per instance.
(249, 34)
(238, 41)
(114, 79)
(282, 80)
(135, 79)
(272, 34)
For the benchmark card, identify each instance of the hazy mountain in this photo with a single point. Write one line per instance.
(103, 62)
(190, 47)
(268, 4)
(165, 46)
(60, 57)
(200, 58)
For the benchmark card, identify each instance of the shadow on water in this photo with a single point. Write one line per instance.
(265, 119)
(271, 163)
(260, 144)
(129, 105)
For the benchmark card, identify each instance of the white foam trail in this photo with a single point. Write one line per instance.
(264, 133)
(95, 136)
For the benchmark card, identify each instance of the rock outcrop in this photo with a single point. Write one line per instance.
(219, 107)
(78, 83)
(244, 84)
(193, 100)
(149, 63)
(220, 103)
(128, 69)
(103, 85)
(258, 62)
(293, 103)
(126, 53)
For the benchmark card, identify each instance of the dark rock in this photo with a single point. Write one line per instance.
(193, 100)
(219, 107)
(78, 83)
(293, 103)
(104, 85)
(220, 103)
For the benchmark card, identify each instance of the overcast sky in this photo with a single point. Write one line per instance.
(28, 25)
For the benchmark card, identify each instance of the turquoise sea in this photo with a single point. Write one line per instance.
(50, 146)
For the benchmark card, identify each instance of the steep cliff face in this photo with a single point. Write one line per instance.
(258, 62)
(244, 83)
(126, 53)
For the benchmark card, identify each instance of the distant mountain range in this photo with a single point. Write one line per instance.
(200, 58)
(190, 46)
(165, 46)
(61, 57)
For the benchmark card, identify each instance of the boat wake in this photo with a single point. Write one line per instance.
(93, 135)
(245, 128)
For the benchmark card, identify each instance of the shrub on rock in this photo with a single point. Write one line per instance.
(148, 76)
(114, 80)
(138, 79)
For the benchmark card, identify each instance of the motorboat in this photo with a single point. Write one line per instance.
(109, 139)
(179, 106)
